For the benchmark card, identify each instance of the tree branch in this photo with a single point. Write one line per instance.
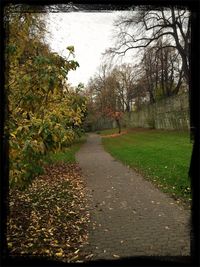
(150, 40)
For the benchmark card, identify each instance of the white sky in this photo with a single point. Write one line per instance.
(89, 33)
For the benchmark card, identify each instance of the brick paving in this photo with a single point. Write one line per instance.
(129, 215)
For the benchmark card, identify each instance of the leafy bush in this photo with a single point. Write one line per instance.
(45, 114)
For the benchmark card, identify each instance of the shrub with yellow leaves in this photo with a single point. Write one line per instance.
(43, 117)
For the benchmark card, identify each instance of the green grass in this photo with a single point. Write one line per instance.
(110, 131)
(67, 155)
(161, 156)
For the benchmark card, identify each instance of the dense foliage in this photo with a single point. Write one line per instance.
(44, 115)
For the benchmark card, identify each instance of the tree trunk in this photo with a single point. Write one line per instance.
(118, 125)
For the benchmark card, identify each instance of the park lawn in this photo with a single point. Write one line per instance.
(161, 156)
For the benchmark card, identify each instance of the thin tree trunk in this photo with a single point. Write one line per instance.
(118, 125)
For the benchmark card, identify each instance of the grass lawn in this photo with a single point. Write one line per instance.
(67, 155)
(161, 156)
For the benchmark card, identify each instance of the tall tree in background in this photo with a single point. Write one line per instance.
(125, 77)
(162, 71)
(143, 27)
(112, 91)
(104, 101)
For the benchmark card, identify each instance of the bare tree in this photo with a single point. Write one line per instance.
(103, 89)
(125, 77)
(171, 73)
(162, 71)
(103, 98)
(142, 28)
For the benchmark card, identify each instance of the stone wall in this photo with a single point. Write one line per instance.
(170, 113)
(102, 124)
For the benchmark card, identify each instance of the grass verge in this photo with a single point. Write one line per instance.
(161, 156)
(110, 131)
(67, 155)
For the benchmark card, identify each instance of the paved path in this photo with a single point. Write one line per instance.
(129, 216)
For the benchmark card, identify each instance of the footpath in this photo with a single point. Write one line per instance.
(129, 215)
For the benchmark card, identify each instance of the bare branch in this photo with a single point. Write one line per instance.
(149, 41)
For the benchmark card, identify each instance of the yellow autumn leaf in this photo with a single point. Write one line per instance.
(9, 245)
(12, 135)
(116, 256)
(59, 254)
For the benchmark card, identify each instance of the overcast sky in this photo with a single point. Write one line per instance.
(90, 34)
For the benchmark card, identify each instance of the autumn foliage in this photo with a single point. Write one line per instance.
(43, 115)
(116, 115)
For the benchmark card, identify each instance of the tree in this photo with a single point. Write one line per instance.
(43, 117)
(170, 73)
(162, 71)
(144, 27)
(116, 115)
(104, 98)
(125, 77)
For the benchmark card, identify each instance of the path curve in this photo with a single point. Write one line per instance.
(129, 216)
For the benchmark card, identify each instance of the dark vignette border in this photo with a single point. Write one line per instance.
(98, 6)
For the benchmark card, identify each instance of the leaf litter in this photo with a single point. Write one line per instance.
(50, 218)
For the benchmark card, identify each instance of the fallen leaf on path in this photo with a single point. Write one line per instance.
(116, 256)
(51, 216)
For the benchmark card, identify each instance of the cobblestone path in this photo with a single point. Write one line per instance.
(129, 216)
